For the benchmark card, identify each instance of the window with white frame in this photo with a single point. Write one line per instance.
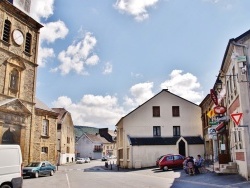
(156, 130)
(45, 130)
(238, 139)
(176, 131)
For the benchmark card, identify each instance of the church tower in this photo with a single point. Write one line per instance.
(19, 40)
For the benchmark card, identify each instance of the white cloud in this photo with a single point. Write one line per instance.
(140, 93)
(184, 85)
(78, 55)
(43, 55)
(94, 111)
(53, 31)
(105, 111)
(107, 68)
(50, 32)
(136, 75)
(41, 9)
(138, 8)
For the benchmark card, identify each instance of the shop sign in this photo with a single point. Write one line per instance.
(219, 109)
(213, 122)
(222, 118)
(214, 96)
(241, 58)
(211, 131)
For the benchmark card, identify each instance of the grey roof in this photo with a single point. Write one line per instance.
(139, 141)
(40, 105)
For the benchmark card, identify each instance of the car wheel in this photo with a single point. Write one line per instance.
(51, 173)
(36, 175)
(165, 168)
(5, 186)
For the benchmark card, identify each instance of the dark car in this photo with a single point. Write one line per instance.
(171, 161)
(36, 169)
(104, 158)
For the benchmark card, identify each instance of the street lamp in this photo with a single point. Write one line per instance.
(218, 84)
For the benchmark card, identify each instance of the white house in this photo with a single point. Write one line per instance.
(164, 124)
(89, 145)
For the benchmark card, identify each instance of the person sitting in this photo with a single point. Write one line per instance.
(199, 163)
(190, 165)
(185, 167)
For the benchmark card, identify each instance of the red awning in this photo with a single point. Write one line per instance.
(220, 126)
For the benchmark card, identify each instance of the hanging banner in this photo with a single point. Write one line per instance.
(214, 96)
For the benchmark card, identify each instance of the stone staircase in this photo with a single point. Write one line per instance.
(230, 168)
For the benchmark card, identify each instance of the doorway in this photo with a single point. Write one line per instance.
(182, 148)
(8, 138)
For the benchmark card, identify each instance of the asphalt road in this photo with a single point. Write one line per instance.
(95, 175)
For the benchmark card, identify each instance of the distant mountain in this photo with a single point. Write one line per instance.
(79, 130)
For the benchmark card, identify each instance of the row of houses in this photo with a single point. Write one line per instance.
(217, 129)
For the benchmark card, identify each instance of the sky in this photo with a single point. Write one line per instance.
(102, 59)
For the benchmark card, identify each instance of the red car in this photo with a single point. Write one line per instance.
(171, 161)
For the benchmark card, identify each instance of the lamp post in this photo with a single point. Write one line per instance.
(218, 84)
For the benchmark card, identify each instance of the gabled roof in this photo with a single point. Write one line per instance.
(94, 138)
(142, 141)
(164, 90)
(40, 105)
(62, 112)
(231, 41)
(10, 102)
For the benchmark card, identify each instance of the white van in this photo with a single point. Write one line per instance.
(10, 166)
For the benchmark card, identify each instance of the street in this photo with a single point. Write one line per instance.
(95, 175)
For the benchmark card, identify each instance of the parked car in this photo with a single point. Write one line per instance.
(87, 160)
(171, 161)
(36, 169)
(159, 158)
(80, 161)
(104, 158)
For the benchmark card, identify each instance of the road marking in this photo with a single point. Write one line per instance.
(67, 180)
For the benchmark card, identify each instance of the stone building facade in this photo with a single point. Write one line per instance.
(19, 119)
(65, 136)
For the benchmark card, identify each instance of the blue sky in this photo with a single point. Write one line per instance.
(101, 59)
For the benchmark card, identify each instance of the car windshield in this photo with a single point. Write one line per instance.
(33, 165)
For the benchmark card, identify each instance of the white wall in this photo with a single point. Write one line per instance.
(147, 155)
(85, 147)
(141, 122)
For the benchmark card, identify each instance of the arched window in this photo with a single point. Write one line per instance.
(6, 31)
(14, 77)
(28, 43)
